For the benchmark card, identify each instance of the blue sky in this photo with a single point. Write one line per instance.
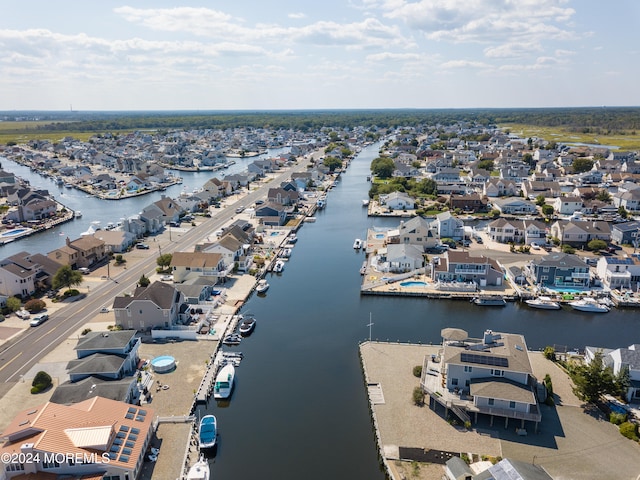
(285, 54)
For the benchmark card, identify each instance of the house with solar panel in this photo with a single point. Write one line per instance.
(489, 376)
(620, 273)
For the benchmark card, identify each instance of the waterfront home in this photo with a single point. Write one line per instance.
(618, 360)
(449, 226)
(579, 233)
(83, 252)
(186, 266)
(213, 189)
(115, 241)
(197, 292)
(136, 226)
(32, 210)
(514, 206)
(558, 270)
(620, 273)
(400, 258)
(273, 214)
(260, 167)
(626, 233)
(405, 169)
(157, 306)
(238, 180)
(567, 205)
(127, 389)
(629, 200)
(416, 231)
(454, 266)
(96, 438)
(283, 197)
(468, 203)
(233, 251)
(498, 187)
(490, 376)
(397, 201)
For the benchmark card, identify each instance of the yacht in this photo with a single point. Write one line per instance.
(544, 303)
(224, 382)
(589, 305)
(208, 432)
(200, 470)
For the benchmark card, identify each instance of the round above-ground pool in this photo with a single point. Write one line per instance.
(163, 364)
(413, 284)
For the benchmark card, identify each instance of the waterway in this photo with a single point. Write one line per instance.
(104, 211)
(300, 408)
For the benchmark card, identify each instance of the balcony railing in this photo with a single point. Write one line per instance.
(581, 275)
(471, 271)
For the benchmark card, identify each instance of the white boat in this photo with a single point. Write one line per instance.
(224, 381)
(365, 202)
(489, 301)
(357, 244)
(262, 286)
(544, 303)
(200, 470)
(286, 253)
(293, 238)
(208, 432)
(278, 267)
(589, 305)
(77, 214)
(321, 202)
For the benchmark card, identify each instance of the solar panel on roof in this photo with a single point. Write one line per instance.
(484, 360)
(124, 428)
(139, 419)
(129, 416)
(123, 458)
(132, 410)
(142, 412)
(135, 431)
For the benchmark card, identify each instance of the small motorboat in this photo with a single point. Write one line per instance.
(365, 202)
(286, 253)
(232, 339)
(357, 244)
(247, 326)
(493, 301)
(278, 267)
(262, 286)
(224, 381)
(77, 214)
(208, 432)
(293, 238)
(199, 470)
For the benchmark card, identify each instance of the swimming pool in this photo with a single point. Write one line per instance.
(163, 364)
(274, 234)
(413, 284)
(380, 235)
(13, 233)
(567, 289)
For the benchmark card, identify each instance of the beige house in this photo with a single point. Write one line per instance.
(83, 252)
(187, 266)
(157, 306)
(96, 438)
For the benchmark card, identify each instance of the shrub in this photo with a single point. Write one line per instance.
(72, 292)
(35, 305)
(418, 396)
(467, 424)
(41, 382)
(85, 331)
(549, 353)
(417, 371)
(629, 430)
(617, 418)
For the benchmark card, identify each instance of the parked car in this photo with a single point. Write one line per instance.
(142, 246)
(167, 278)
(240, 209)
(23, 314)
(104, 310)
(39, 320)
(535, 246)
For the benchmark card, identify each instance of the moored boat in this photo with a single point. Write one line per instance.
(232, 339)
(365, 202)
(544, 303)
(247, 326)
(208, 432)
(293, 238)
(262, 286)
(589, 305)
(199, 470)
(357, 244)
(224, 382)
(278, 267)
(489, 301)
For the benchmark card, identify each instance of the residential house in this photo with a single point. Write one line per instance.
(35, 209)
(272, 214)
(197, 292)
(579, 233)
(629, 200)
(533, 188)
(84, 252)
(514, 206)
(97, 438)
(468, 203)
(488, 376)
(398, 201)
(498, 187)
(260, 167)
(187, 265)
(446, 175)
(283, 197)
(567, 205)
(417, 231)
(158, 305)
(559, 270)
(620, 273)
(405, 169)
(23, 273)
(115, 241)
(166, 210)
(627, 233)
(454, 266)
(233, 250)
(449, 226)
(502, 230)
(401, 257)
(618, 360)
(214, 189)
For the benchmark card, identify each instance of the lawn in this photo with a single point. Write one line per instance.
(23, 132)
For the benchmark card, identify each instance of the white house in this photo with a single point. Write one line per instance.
(449, 226)
(397, 201)
(567, 205)
(514, 205)
(620, 273)
(618, 359)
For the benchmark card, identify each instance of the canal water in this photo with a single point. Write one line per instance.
(300, 408)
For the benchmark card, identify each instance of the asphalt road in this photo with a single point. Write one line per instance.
(21, 353)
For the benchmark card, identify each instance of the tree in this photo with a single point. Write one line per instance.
(382, 167)
(540, 200)
(144, 281)
(13, 304)
(595, 245)
(547, 210)
(164, 260)
(41, 382)
(66, 277)
(581, 165)
(593, 379)
(35, 305)
(332, 163)
(603, 196)
(622, 212)
(486, 165)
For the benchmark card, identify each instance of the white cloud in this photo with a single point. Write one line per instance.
(463, 64)
(297, 16)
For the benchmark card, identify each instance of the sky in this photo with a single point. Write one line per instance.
(331, 54)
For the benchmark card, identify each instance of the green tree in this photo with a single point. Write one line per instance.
(495, 213)
(582, 165)
(382, 167)
(603, 196)
(549, 353)
(486, 165)
(332, 163)
(622, 212)
(547, 210)
(13, 304)
(595, 245)
(41, 382)
(143, 281)
(540, 200)
(568, 249)
(622, 381)
(593, 379)
(66, 277)
(164, 260)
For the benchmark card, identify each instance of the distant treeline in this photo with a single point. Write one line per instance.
(600, 120)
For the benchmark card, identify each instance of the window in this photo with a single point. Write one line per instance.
(497, 373)
(454, 381)
(512, 404)
(46, 465)
(491, 402)
(468, 368)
